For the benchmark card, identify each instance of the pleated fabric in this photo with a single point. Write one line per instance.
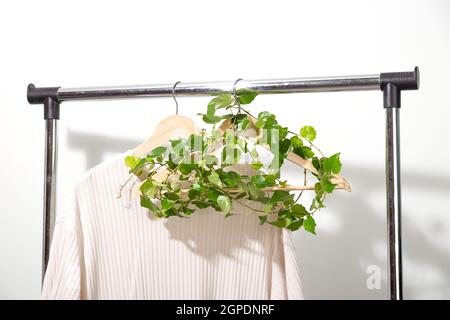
(106, 247)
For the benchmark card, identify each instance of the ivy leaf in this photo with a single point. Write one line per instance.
(280, 196)
(328, 186)
(172, 196)
(296, 142)
(299, 211)
(131, 161)
(316, 163)
(148, 188)
(211, 160)
(186, 168)
(304, 152)
(243, 124)
(230, 183)
(227, 116)
(192, 194)
(187, 212)
(318, 188)
(213, 194)
(270, 179)
(224, 203)
(284, 145)
(332, 164)
(211, 120)
(221, 101)
(157, 152)
(257, 165)
(308, 132)
(210, 116)
(281, 222)
(138, 169)
(211, 110)
(171, 212)
(175, 142)
(309, 224)
(295, 225)
(146, 202)
(246, 96)
(215, 179)
(265, 119)
(254, 191)
(197, 187)
(166, 204)
(259, 181)
(201, 204)
(262, 219)
(267, 207)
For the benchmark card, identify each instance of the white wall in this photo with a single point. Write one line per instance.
(86, 43)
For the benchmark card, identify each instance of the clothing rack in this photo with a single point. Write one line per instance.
(391, 84)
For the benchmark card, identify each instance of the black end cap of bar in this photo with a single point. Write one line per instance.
(402, 80)
(38, 95)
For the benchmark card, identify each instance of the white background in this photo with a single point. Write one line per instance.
(88, 43)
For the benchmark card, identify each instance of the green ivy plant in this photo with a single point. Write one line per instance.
(198, 179)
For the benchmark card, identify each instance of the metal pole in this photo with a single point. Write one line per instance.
(50, 162)
(51, 116)
(317, 84)
(391, 101)
(394, 205)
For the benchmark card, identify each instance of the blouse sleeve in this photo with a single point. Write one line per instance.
(64, 270)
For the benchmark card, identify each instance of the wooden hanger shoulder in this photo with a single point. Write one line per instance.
(172, 127)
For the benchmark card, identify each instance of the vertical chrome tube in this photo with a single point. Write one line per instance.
(50, 162)
(393, 203)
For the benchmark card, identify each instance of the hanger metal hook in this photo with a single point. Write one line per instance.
(174, 96)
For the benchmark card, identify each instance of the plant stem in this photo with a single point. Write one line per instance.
(237, 200)
(119, 193)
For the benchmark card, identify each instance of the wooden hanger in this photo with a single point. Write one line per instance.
(176, 126)
(167, 127)
(172, 127)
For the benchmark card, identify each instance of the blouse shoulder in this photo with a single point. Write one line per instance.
(111, 166)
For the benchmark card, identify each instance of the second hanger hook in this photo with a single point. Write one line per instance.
(174, 97)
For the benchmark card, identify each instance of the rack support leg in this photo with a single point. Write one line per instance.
(51, 116)
(392, 107)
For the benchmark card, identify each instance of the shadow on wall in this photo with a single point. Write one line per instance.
(95, 146)
(334, 262)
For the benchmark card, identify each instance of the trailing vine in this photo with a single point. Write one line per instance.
(200, 172)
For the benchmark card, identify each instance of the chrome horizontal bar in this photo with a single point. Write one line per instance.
(318, 84)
